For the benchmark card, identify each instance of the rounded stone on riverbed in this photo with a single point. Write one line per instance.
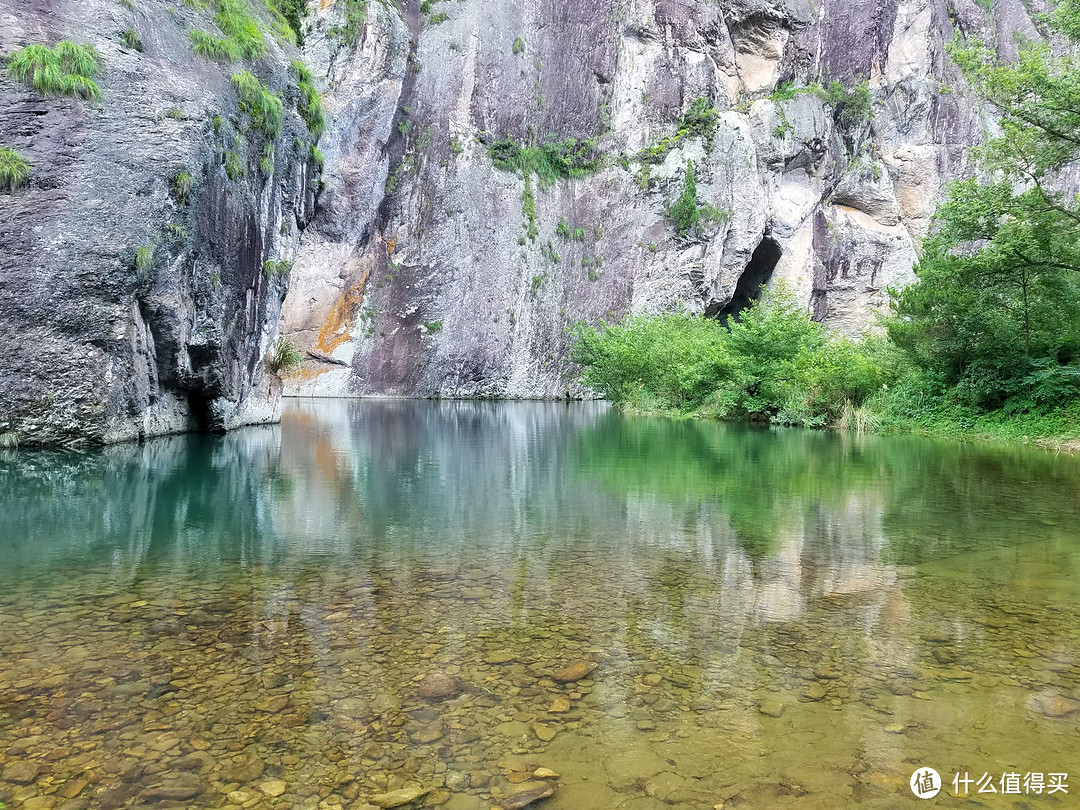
(21, 773)
(560, 705)
(574, 672)
(499, 657)
(437, 686)
(771, 708)
(544, 732)
(1057, 706)
(273, 788)
(399, 797)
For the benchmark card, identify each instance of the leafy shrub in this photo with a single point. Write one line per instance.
(144, 260)
(699, 120)
(214, 48)
(66, 70)
(14, 170)
(441, 17)
(273, 268)
(263, 107)
(519, 46)
(355, 16)
(554, 159)
(774, 364)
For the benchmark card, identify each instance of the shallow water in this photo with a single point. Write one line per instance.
(776, 618)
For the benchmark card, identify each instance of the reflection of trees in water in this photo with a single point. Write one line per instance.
(936, 499)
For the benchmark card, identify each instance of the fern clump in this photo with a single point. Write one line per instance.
(66, 70)
(14, 170)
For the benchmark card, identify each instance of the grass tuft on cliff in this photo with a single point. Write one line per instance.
(14, 170)
(310, 104)
(241, 38)
(66, 70)
(284, 357)
(261, 105)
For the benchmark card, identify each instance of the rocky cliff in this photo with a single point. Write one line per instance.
(430, 270)
(135, 294)
(494, 173)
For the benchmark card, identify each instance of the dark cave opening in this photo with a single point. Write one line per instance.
(200, 411)
(752, 281)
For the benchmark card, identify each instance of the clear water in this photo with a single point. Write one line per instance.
(776, 618)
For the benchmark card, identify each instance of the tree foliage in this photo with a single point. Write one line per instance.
(995, 318)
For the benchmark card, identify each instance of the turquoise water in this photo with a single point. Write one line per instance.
(371, 601)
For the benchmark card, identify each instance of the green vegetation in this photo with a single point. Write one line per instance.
(851, 108)
(774, 365)
(14, 170)
(994, 323)
(241, 38)
(266, 161)
(131, 39)
(986, 343)
(234, 165)
(285, 357)
(273, 269)
(700, 120)
(441, 17)
(528, 209)
(519, 46)
(66, 70)
(355, 16)
(433, 326)
(310, 103)
(687, 214)
(144, 260)
(570, 234)
(288, 16)
(317, 157)
(552, 160)
(684, 213)
(262, 106)
(181, 186)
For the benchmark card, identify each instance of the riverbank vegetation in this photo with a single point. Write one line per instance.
(985, 343)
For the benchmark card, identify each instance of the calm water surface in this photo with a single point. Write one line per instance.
(435, 600)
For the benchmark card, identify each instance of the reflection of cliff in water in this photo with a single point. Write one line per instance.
(529, 492)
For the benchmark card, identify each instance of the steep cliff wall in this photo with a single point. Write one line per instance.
(132, 303)
(427, 272)
(133, 297)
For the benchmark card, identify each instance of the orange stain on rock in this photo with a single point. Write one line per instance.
(335, 329)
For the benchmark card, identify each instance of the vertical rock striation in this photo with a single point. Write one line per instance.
(421, 275)
(134, 301)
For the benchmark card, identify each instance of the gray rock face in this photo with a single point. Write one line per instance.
(421, 268)
(418, 277)
(98, 347)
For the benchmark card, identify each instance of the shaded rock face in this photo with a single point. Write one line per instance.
(97, 346)
(419, 277)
